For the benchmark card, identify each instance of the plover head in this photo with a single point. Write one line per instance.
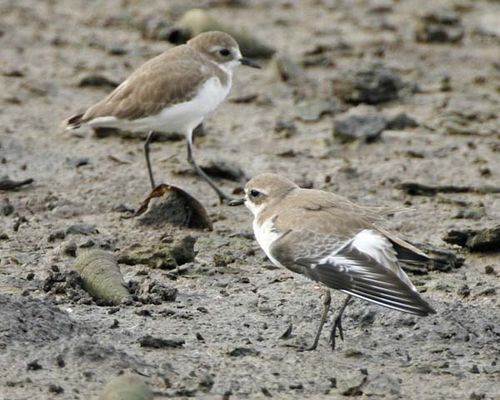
(222, 49)
(263, 190)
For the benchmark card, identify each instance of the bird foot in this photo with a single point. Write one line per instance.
(337, 326)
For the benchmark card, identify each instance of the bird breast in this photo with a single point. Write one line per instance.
(266, 233)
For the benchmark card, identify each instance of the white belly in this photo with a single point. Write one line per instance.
(182, 117)
(266, 235)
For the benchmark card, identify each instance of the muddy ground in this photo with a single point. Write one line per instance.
(232, 305)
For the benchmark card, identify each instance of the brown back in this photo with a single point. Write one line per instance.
(172, 77)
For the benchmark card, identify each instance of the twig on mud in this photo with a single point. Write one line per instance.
(9, 184)
(418, 189)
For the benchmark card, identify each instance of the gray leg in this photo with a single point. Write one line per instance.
(200, 172)
(148, 161)
(327, 300)
(337, 324)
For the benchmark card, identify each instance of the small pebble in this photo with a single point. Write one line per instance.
(56, 389)
(33, 366)
(489, 269)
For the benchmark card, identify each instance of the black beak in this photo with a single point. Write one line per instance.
(249, 63)
(237, 202)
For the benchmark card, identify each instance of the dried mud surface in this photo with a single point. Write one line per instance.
(222, 333)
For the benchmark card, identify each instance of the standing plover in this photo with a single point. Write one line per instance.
(333, 241)
(172, 92)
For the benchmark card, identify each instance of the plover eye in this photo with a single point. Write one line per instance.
(224, 52)
(254, 193)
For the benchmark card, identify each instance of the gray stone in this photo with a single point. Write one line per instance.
(366, 128)
(372, 84)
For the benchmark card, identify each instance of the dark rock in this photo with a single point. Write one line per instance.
(163, 255)
(69, 248)
(33, 366)
(160, 343)
(457, 237)
(18, 221)
(81, 229)
(170, 204)
(222, 260)
(444, 260)
(183, 250)
(154, 292)
(8, 184)
(401, 121)
(56, 235)
(13, 73)
(97, 81)
(117, 51)
(464, 290)
(7, 208)
(483, 240)
(80, 162)
(439, 26)
(87, 244)
(243, 352)
(68, 284)
(373, 84)
(154, 257)
(56, 389)
(206, 382)
(489, 270)
(296, 386)
(366, 128)
(221, 169)
(60, 361)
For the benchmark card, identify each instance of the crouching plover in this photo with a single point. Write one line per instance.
(172, 92)
(333, 241)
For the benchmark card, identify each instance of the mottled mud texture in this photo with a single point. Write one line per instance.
(219, 320)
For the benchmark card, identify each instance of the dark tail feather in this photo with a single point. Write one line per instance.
(74, 122)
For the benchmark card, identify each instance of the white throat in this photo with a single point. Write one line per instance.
(254, 208)
(228, 69)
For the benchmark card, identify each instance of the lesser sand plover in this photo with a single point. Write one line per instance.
(172, 92)
(331, 240)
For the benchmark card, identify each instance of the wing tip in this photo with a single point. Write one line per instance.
(73, 122)
(427, 309)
